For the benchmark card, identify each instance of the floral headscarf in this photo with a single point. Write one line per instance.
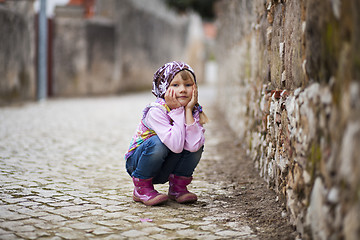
(165, 75)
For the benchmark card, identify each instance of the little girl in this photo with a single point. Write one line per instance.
(169, 141)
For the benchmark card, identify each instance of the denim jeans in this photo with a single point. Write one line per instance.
(152, 159)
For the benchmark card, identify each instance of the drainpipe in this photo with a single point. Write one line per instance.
(42, 53)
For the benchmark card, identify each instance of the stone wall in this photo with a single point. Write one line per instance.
(17, 52)
(122, 47)
(289, 85)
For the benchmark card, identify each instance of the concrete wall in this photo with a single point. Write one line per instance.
(150, 34)
(17, 52)
(122, 47)
(116, 51)
(289, 85)
(84, 58)
(148, 37)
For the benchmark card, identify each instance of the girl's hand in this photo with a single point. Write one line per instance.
(171, 100)
(194, 98)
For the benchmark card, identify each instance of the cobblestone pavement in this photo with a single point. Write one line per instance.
(62, 176)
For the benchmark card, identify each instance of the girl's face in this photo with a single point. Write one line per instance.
(183, 86)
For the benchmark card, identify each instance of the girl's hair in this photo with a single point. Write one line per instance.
(202, 116)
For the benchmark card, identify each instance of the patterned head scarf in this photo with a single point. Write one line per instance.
(166, 74)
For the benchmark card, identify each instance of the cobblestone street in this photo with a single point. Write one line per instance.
(62, 176)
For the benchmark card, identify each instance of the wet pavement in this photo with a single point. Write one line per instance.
(62, 176)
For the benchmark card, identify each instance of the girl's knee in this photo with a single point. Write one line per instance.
(195, 155)
(192, 158)
(200, 151)
(156, 147)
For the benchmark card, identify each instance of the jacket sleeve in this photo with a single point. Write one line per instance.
(170, 127)
(194, 136)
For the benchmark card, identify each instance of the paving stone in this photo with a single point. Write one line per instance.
(133, 234)
(60, 204)
(59, 211)
(33, 235)
(230, 233)
(135, 219)
(4, 211)
(78, 208)
(13, 200)
(152, 230)
(197, 223)
(102, 231)
(9, 236)
(48, 226)
(53, 218)
(160, 236)
(114, 237)
(41, 199)
(190, 233)
(210, 237)
(70, 235)
(12, 216)
(112, 223)
(95, 212)
(175, 219)
(210, 227)
(33, 221)
(20, 228)
(82, 226)
(174, 226)
(114, 208)
(74, 215)
(115, 215)
(2, 231)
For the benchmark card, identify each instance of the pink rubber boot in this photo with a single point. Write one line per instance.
(144, 192)
(178, 190)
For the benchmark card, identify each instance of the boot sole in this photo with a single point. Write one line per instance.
(152, 202)
(184, 199)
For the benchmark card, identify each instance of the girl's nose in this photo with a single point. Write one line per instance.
(182, 88)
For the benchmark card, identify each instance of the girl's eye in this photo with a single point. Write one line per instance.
(174, 85)
(189, 85)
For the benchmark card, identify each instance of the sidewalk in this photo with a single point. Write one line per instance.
(62, 176)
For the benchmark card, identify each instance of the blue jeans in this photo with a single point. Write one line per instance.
(152, 159)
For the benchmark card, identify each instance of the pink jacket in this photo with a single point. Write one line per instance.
(174, 132)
